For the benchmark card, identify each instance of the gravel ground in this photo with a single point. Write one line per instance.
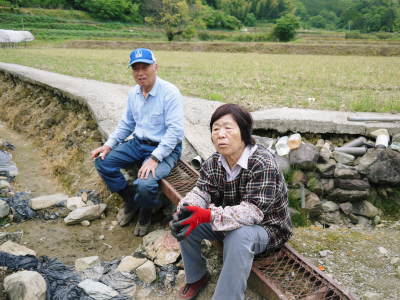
(366, 261)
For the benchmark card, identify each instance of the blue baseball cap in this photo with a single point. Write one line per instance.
(142, 55)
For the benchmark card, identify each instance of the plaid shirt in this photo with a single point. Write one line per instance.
(257, 196)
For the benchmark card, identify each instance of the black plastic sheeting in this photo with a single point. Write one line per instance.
(19, 204)
(62, 282)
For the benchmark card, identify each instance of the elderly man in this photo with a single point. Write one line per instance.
(154, 116)
(240, 199)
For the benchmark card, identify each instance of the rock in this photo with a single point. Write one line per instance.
(305, 157)
(147, 272)
(123, 283)
(5, 185)
(85, 223)
(327, 185)
(86, 262)
(346, 207)
(143, 294)
(330, 218)
(294, 141)
(298, 177)
(339, 195)
(25, 285)
(85, 213)
(327, 169)
(265, 141)
(329, 206)
(352, 184)
(281, 146)
(180, 279)
(283, 163)
(325, 253)
(97, 290)
(386, 169)
(363, 221)
(315, 185)
(346, 172)
(395, 146)
(130, 263)
(366, 209)
(395, 261)
(343, 158)
(313, 205)
(46, 201)
(372, 296)
(11, 236)
(16, 249)
(367, 160)
(161, 247)
(396, 138)
(75, 202)
(4, 209)
(383, 251)
(325, 152)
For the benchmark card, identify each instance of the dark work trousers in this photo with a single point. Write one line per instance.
(240, 246)
(124, 156)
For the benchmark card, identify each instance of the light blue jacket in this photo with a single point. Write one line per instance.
(158, 118)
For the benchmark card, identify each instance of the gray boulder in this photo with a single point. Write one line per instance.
(97, 290)
(346, 208)
(352, 184)
(366, 209)
(89, 213)
(25, 285)
(346, 172)
(4, 209)
(386, 169)
(305, 157)
(343, 158)
(340, 195)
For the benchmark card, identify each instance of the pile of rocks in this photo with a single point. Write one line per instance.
(154, 266)
(333, 186)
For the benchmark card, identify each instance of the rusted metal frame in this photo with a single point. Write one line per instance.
(170, 191)
(316, 271)
(265, 287)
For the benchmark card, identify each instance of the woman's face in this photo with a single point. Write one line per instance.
(226, 137)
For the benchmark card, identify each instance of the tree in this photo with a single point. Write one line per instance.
(174, 19)
(285, 28)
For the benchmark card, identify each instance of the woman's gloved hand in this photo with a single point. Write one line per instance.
(189, 217)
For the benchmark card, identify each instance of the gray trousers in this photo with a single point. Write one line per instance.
(240, 246)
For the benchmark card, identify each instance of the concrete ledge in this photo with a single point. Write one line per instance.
(321, 121)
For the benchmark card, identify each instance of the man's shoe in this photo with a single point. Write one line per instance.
(191, 290)
(141, 230)
(125, 215)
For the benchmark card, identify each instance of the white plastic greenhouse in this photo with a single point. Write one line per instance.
(11, 38)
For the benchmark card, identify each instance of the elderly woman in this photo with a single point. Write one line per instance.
(240, 199)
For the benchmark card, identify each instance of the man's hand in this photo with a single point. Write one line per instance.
(148, 166)
(100, 152)
(196, 216)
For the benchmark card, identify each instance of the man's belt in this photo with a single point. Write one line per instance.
(147, 142)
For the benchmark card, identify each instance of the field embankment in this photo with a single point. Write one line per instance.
(354, 48)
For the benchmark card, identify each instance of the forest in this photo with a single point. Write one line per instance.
(363, 15)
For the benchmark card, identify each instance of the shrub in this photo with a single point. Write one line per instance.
(353, 35)
(285, 28)
(218, 19)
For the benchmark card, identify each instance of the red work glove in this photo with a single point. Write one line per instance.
(198, 216)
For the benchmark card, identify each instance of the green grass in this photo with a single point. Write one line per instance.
(350, 83)
(57, 24)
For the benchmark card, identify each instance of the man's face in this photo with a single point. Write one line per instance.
(144, 74)
(226, 137)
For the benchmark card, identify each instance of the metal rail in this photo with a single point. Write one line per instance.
(285, 274)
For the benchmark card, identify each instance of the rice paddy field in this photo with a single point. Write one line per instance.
(254, 80)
